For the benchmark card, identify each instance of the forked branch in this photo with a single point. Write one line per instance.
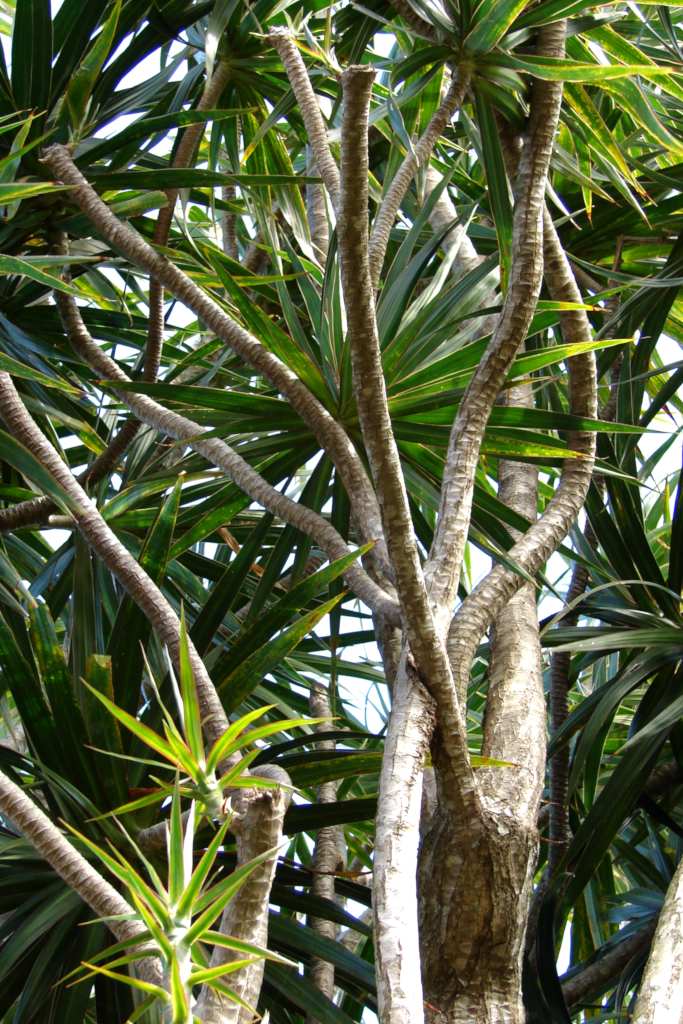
(443, 568)
(373, 409)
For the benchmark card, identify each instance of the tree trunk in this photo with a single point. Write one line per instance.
(480, 866)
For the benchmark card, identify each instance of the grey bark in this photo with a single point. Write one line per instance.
(660, 996)
(76, 871)
(330, 434)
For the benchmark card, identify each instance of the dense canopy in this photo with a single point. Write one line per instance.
(315, 430)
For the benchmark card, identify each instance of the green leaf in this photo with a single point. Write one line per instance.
(82, 83)
(16, 265)
(210, 904)
(242, 680)
(496, 177)
(131, 630)
(32, 54)
(136, 727)
(28, 465)
(180, 1004)
(56, 680)
(200, 874)
(191, 712)
(492, 19)
(17, 369)
(557, 69)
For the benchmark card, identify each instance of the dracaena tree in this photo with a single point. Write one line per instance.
(391, 287)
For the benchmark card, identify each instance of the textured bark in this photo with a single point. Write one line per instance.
(316, 210)
(229, 224)
(76, 871)
(373, 410)
(660, 997)
(487, 871)
(443, 568)
(559, 832)
(477, 860)
(386, 215)
(115, 556)
(329, 433)
(184, 155)
(259, 815)
(326, 855)
(412, 18)
(533, 549)
(316, 130)
(397, 835)
(224, 457)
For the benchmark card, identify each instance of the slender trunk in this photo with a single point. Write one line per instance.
(482, 868)
(326, 856)
(259, 815)
(397, 951)
(660, 997)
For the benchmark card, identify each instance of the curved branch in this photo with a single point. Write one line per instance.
(115, 556)
(386, 215)
(220, 454)
(543, 537)
(316, 129)
(330, 434)
(74, 869)
(445, 559)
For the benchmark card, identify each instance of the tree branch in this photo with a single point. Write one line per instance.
(543, 537)
(184, 155)
(75, 870)
(373, 409)
(602, 972)
(330, 434)
(386, 215)
(412, 18)
(445, 559)
(220, 454)
(326, 859)
(310, 111)
(115, 556)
